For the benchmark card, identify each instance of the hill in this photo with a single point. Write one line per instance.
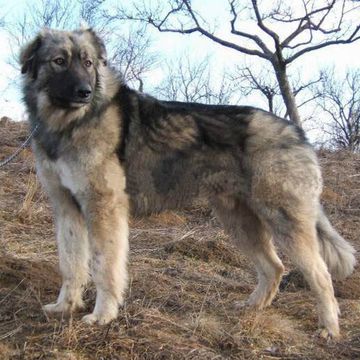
(185, 277)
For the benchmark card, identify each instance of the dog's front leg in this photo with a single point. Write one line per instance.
(106, 213)
(73, 252)
(72, 240)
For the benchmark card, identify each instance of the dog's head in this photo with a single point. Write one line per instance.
(64, 67)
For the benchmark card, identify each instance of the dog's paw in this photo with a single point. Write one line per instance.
(240, 305)
(100, 319)
(328, 334)
(89, 319)
(248, 304)
(63, 307)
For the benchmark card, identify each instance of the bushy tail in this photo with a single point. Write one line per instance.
(337, 253)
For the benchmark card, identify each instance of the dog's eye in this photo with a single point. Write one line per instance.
(87, 63)
(59, 61)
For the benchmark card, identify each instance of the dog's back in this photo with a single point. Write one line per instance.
(191, 150)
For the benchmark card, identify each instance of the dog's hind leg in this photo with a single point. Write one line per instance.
(301, 244)
(72, 239)
(284, 193)
(293, 225)
(252, 237)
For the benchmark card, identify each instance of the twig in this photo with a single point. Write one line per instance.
(10, 333)
(11, 291)
(39, 301)
(202, 307)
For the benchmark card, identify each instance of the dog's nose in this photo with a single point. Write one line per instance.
(84, 91)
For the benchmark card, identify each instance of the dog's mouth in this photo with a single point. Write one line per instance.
(79, 103)
(75, 103)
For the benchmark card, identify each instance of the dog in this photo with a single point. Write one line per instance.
(103, 150)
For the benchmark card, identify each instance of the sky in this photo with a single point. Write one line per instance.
(172, 46)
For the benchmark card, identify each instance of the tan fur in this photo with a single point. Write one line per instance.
(337, 253)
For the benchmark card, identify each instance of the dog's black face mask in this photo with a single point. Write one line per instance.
(71, 85)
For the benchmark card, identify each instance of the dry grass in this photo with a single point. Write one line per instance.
(185, 279)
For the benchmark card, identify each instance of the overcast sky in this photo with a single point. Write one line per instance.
(171, 46)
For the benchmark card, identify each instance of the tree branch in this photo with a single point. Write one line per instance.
(160, 25)
(352, 38)
(252, 37)
(261, 24)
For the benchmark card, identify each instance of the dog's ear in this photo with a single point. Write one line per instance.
(28, 58)
(100, 47)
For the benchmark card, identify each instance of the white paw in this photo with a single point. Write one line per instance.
(100, 319)
(89, 319)
(328, 334)
(240, 305)
(63, 307)
(248, 304)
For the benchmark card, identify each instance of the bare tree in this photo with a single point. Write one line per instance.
(190, 81)
(262, 81)
(133, 57)
(47, 13)
(91, 14)
(2, 21)
(311, 25)
(340, 100)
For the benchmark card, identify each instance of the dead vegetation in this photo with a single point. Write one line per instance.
(185, 281)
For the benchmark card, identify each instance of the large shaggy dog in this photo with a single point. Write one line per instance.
(101, 148)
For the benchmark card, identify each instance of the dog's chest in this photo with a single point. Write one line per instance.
(71, 176)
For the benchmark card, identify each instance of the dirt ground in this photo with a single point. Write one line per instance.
(185, 279)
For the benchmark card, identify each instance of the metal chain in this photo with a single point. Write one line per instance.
(20, 149)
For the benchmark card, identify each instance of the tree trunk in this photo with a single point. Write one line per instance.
(270, 99)
(287, 93)
(141, 85)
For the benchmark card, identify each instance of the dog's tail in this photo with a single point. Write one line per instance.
(335, 250)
